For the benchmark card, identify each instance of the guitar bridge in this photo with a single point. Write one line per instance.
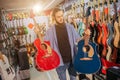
(87, 58)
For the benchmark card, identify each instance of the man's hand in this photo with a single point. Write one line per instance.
(87, 32)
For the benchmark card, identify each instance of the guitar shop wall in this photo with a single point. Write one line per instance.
(102, 17)
(17, 24)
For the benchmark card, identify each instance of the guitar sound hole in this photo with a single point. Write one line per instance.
(86, 48)
(43, 46)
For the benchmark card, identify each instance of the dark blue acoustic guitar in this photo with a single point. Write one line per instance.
(87, 60)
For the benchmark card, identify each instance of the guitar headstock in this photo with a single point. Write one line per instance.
(26, 14)
(82, 3)
(38, 28)
(110, 1)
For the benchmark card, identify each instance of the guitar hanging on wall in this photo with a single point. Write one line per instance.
(7, 71)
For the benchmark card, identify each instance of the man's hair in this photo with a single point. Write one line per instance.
(54, 11)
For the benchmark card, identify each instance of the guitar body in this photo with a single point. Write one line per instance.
(97, 13)
(116, 36)
(110, 39)
(110, 36)
(83, 66)
(104, 40)
(106, 11)
(107, 64)
(99, 39)
(114, 55)
(7, 71)
(109, 53)
(99, 34)
(105, 35)
(42, 62)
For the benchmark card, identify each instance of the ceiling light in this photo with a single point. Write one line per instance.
(37, 8)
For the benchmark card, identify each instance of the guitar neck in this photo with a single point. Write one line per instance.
(37, 30)
(86, 37)
(40, 37)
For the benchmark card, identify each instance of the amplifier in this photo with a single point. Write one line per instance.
(113, 73)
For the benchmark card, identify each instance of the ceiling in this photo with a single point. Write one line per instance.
(19, 4)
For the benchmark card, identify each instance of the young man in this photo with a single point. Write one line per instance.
(62, 37)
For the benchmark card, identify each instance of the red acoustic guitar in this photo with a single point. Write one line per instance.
(46, 58)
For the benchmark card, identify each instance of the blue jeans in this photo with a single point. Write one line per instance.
(61, 71)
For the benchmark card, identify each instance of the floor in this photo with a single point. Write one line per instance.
(50, 75)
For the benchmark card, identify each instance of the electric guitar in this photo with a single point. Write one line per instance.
(97, 11)
(25, 31)
(116, 35)
(99, 34)
(31, 46)
(115, 42)
(104, 39)
(107, 64)
(7, 71)
(105, 10)
(109, 41)
(87, 56)
(110, 34)
(81, 28)
(46, 58)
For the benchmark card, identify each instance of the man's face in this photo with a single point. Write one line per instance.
(59, 17)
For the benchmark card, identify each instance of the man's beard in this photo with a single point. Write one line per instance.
(60, 23)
